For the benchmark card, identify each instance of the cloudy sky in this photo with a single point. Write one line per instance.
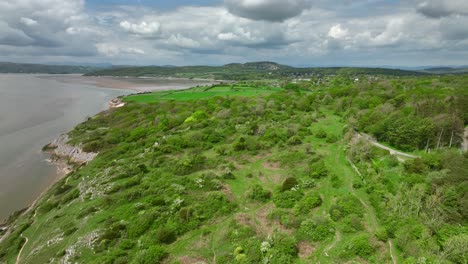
(215, 32)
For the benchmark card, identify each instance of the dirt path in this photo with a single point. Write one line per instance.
(333, 244)
(18, 258)
(465, 140)
(400, 155)
(371, 214)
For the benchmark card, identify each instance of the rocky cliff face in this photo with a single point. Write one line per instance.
(75, 154)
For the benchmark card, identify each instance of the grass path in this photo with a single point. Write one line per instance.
(18, 258)
(371, 214)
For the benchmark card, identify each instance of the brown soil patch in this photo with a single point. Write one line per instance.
(228, 192)
(305, 249)
(271, 165)
(260, 222)
(192, 260)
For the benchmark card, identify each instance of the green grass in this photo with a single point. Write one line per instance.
(202, 92)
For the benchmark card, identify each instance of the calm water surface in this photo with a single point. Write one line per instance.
(34, 111)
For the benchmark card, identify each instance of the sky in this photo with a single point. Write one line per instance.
(216, 32)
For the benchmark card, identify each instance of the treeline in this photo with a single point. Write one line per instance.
(248, 71)
(408, 113)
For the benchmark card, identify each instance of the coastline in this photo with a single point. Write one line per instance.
(135, 84)
(66, 158)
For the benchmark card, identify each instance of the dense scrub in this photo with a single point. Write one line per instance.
(264, 179)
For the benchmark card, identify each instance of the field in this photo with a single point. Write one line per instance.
(203, 92)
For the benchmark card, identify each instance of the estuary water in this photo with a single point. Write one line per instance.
(33, 111)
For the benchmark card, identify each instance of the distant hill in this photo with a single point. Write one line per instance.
(446, 70)
(245, 71)
(9, 67)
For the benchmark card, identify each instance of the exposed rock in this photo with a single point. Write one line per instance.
(61, 148)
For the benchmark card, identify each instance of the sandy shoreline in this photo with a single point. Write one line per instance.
(132, 83)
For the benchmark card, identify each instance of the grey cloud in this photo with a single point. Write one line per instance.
(268, 10)
(442, 8)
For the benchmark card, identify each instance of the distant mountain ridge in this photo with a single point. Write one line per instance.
(11, 67)
(245, 71)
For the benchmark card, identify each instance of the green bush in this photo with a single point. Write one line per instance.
(360, 246)
(165, 235)
(318, 170)
(287, 199)
(320, 133)
(259, 194)
(289, 183)
(151, 255)
(309, 202)
(315, 230)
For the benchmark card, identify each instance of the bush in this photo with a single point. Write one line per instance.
(294, 140)
(318, 170)
(415, 166)
(336, 181)
(165, 235)
(381, 234)
(259, 194)
(287, 199)
(345, 206)
(309, 202)
(360, 246)
(321, 134)
(315, 230)
(288, 184)
(332, 139)
(151, 255)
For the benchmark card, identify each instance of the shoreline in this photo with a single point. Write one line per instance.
(135, 84)
(61, 162)
(66, 158)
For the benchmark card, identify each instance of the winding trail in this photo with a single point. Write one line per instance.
(400, 155)
(18, 258)
(332, 245)
(371, 214)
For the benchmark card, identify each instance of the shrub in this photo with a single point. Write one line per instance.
(345, 206)
(315, 229)
(294, 140)
(318, 170)
(336, 181)
(352, 223)
(321, 134)
(288, 184)
(415, 166)
(287, 199)
(309, 202)
(165, 235)
(151, 255)
(360, 246)
(381, 234)
(259, 194)
(332, 139)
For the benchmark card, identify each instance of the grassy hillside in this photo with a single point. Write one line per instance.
(250, 174)
(247, 71)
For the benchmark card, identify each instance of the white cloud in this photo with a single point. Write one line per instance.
(337, 32)
(28, 21)
(111, 50)
(143, 28)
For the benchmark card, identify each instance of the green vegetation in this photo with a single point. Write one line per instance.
(205, 92)
(278, 176)
(247, 71)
